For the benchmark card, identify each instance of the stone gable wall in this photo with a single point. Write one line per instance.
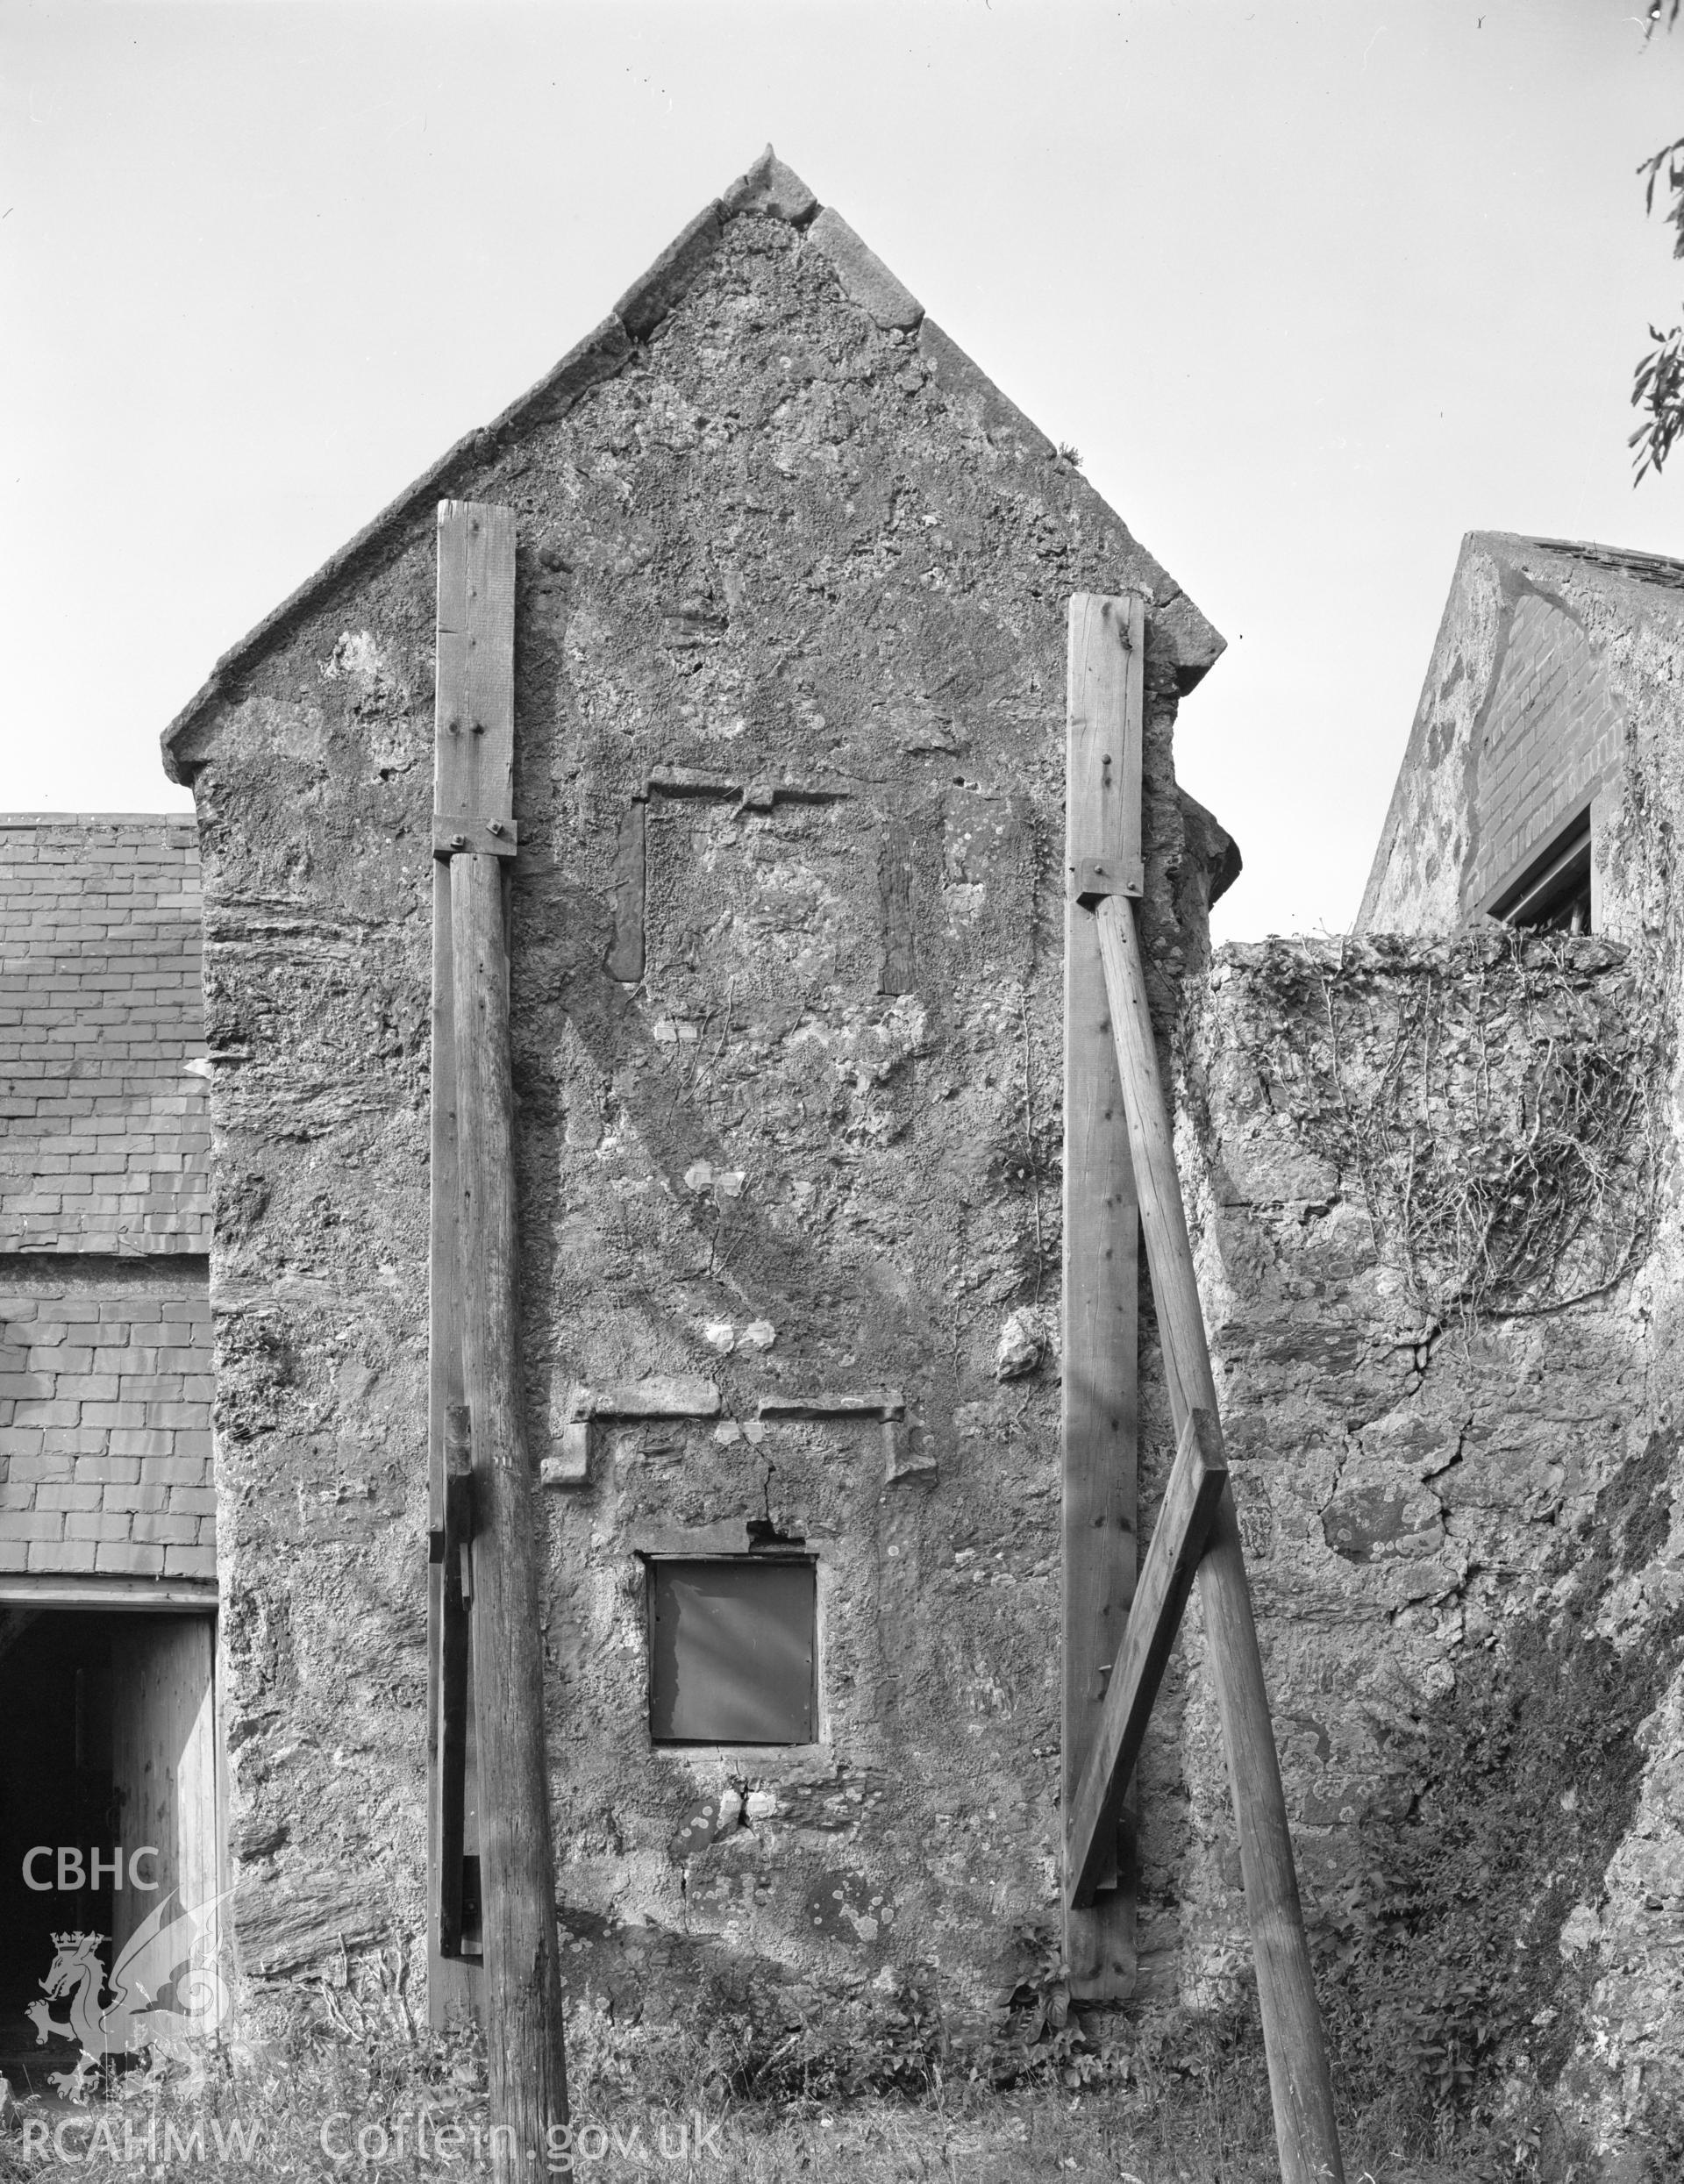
(787, 985)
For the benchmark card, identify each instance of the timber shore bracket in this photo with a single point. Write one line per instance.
(1097, 1424)
(484, 1647)
(1121, 1182)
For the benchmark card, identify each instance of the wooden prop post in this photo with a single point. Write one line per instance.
(1112, 1668)
(1102, 1249)
(1299, 2084)
(473, 832)
(453, 1979)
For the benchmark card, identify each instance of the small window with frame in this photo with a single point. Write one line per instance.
(732, 1650)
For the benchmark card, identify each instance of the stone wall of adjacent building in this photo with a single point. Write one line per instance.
(1556, 678)
(1553, 683)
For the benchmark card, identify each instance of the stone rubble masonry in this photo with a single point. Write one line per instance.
(106, 1143)
(105, 1456)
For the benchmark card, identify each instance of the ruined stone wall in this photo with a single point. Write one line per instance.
(1608, 1639)
(787, 937)
(1431, 1183)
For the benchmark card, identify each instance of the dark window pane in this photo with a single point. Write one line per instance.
(730, 1653)
(1553, 895)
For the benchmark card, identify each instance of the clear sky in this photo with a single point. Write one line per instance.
(1313, 289)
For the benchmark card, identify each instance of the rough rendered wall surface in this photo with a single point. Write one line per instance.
(1554, 678)
(1431, 1186)
(790, 632)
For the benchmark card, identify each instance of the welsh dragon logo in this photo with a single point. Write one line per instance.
(160, 1953)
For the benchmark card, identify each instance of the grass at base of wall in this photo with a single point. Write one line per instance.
(353, 2090)
(1039, 2138)
(1030, 2138)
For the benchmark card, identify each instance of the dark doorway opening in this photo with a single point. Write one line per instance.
(107, 1800)
(56, 1793)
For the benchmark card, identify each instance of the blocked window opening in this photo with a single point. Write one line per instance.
(1553, 895)
(732, 1648)
(109, 1768)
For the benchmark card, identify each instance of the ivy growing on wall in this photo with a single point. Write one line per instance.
(1501, 1116)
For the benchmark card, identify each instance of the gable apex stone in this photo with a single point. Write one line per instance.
(771, 189)
(767, 189)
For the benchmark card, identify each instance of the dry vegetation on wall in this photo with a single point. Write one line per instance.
(1501, 1113)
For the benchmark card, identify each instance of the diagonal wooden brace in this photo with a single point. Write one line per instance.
(1184, 1521)
(1299, 2085)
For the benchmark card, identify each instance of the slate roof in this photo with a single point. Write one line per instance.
(771, 190)
(105, 1130)
(105, 1389)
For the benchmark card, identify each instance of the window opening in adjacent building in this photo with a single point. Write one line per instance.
(1553, 895)
(732, 1650)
